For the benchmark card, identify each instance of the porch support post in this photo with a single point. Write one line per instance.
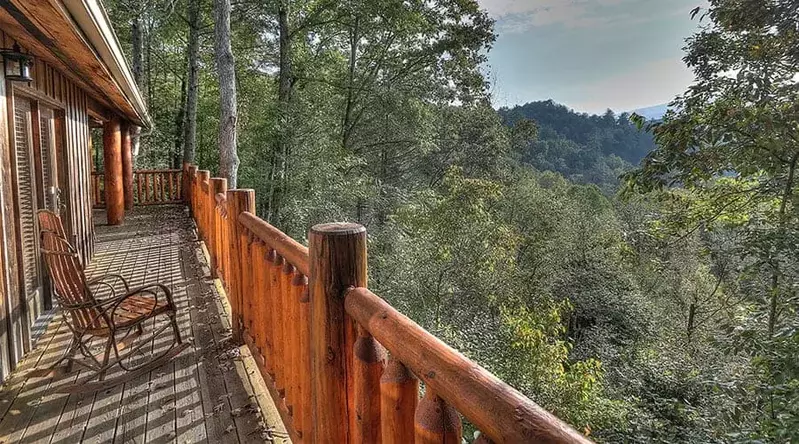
(112, 160)
(127, 166)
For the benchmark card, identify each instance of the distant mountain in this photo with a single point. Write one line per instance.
(653, 112)
(584, 148)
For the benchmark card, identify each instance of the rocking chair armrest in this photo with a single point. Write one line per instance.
(162, 287)
(104, 280)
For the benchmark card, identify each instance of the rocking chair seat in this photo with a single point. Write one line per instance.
(134, 308)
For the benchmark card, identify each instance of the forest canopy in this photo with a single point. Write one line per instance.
(664, 311)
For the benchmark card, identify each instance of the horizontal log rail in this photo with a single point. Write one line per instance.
(341, 364)
(150, 187)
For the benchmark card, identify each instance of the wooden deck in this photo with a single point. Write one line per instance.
(211, 393)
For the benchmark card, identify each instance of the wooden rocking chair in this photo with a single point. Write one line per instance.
(118, 319)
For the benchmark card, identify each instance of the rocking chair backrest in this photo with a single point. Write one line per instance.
(69, 280)
(49, 221)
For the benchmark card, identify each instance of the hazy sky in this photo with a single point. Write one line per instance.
(590, 54)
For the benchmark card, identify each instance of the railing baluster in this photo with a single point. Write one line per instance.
(241, 200)
(399, 396)
(369, 359)
(436, 421)
(278, 319)
(216, 186)
(303, 419)
(257, 306)
(271, 325)
(289, 324)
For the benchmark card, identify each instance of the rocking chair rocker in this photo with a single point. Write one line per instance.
(118, 319)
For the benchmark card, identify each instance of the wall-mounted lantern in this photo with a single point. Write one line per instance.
(17, 64)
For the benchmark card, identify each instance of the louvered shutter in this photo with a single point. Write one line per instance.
(46, 138)
(26, 193)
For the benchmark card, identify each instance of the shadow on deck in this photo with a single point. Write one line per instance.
(212, 392)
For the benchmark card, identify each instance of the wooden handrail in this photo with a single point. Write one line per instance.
(321, 339)
(496, 408)
(294, 252)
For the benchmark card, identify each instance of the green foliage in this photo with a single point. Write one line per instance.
(584, 148)
(643, 319)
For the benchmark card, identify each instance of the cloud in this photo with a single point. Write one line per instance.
(658, 81)
(515, 16)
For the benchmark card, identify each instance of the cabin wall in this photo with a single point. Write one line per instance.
(52, 89)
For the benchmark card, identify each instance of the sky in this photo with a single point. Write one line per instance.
(590, 55)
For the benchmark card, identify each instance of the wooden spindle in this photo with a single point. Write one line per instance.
(179, 182)
(337, 255)
(482, 439)
(240, 201)
(303, 418)
(217, 185)
(278, 319)
(258, 295)
(156, 187)
(437, 422)
(249, 300)
(289, 332)
(399, 396)
(270, 326)
(185, 182)
(369, 359)
(192, 182)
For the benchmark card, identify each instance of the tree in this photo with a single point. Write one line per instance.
(732, 141)
(192, 84)
(228, 119)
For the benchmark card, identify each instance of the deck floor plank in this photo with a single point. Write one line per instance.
(205, 395)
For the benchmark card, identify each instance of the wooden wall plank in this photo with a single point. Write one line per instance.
(71, 101)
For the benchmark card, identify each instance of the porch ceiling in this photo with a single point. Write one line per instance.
(49, 30)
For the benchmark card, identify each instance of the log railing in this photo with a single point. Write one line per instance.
(150, 187)
(341, 364)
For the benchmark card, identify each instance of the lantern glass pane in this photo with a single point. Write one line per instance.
(25, 71)
(12, 67)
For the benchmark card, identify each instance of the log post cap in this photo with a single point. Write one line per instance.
(338, 229)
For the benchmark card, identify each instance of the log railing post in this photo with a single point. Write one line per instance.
(238, 202)
(216, 186)
(337, 255)
(185, 182)
(202, 199)
(127, 166)
(112, 162)
(191, 189)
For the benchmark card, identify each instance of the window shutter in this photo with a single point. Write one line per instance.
(26, 193)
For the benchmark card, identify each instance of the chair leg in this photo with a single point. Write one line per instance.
(106, 355)
(68, 355)
(173, 320)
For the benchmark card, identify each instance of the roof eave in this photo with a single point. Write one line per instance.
(93, 21)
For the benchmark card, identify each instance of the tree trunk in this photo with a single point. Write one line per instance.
(277, 175)
(347, 125)
(783, 220)
(190, 128)
(225, 64)
(180, 125)
(138, 69)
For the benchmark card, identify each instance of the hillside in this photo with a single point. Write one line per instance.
(584, 148)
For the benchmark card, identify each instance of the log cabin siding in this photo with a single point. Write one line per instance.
(70, 103)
